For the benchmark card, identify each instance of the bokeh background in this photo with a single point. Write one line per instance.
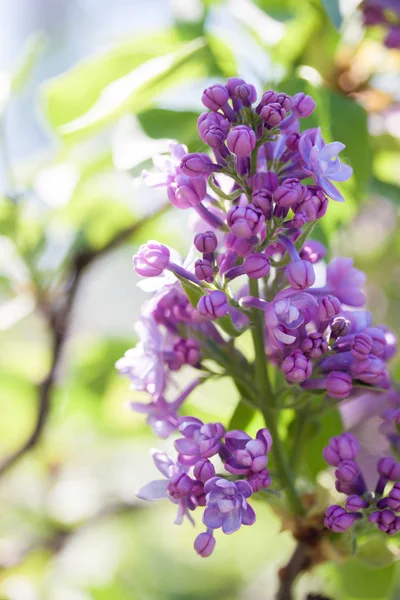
(89, 91)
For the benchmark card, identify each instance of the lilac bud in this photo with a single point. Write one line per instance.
(203, 269)
(330, 307)
(194, 165)
(187, 351)
(259, 481)
(262, 199)
(289, 193)
(292, 141)
(245, 221)
(349, 479)
(204, 470)
(257, 265)
(372, 370)
(180, 486)
(340, 448)
(241, 246)
(204, 544)
(313, 251)
(300, 274)
(362, 345)
(214, 305)
(296, 367)
(268, 97)
(338, 519)
(314, 204)
(338, 385)
(206, 242)
(207, 121)
(186, 192)
(284, 100)
(268, 180)
(299, 220)
(273, 114)
(314, 345)
(215, 97)
(393, 499)
(340, 327)
(355, 503)
(151, 259)
(241, 141)
(303, 105)
(246, 93)
(232, 84)
(386, 521)
(389, 468)
(378, 340)
(265, 436)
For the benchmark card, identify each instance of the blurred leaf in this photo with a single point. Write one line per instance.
(71, 94)
(386, 190)
(31, 52)
(132, 92)
(321, 430)
(357, 580)
(224, 57)
(333, 10)
(158, 123)
(349, 125)
(375, 553)
(242, 416)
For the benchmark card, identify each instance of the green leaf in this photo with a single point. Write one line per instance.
(132, 92)
(349, 125)
(386, 190)
(242, 416)
(224, 57)
(333, 10)
(321, 430)
(193, 291)
(356, 580)
(31, 53)
(158, 123)
(375, 553)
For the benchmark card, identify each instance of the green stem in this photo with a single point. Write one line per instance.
(266, 403)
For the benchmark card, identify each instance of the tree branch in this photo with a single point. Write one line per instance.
(58, 319)
(298, 562)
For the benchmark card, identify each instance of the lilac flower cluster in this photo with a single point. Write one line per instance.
(380, 506)
(257, 192)
(387, 14)
(192, 481)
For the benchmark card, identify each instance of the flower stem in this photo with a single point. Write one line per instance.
(267, 404)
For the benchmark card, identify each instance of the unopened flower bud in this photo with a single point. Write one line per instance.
(330, 307)
(196, 164)
(289, 193)
(339, 385)
(204, 544)
(355, 503)
(245, 221)
(262, 199)
(206, 242)
(257, 265)
(241, 141)
(204, 470)
(186, 192)
(386, 520)
(297, 367)
(203, 270)
(300, 274)
(214, 305)
(341, 447)
(338, 519)
(151, 259)
(303, 105)
(273, 114)
(215, 96)
(259, 481)
(362, 346)
(314, 345)
(340, 327)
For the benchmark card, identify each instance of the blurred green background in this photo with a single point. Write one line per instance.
(89, 91)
